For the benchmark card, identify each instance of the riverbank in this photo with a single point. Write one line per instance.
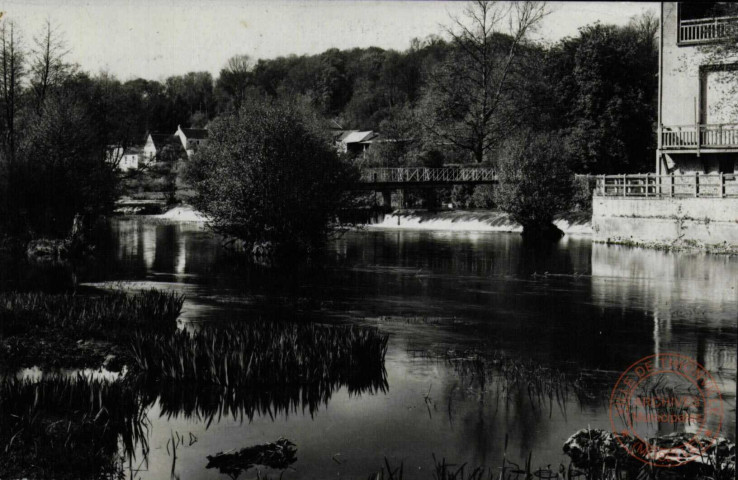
(571, 223)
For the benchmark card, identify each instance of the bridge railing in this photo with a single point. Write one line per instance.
(428, 175)
(713, 185)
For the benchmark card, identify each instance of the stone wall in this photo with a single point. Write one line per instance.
(666, 221)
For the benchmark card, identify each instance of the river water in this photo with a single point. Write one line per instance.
(574, 306)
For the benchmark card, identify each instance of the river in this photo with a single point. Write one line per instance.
(574, 306)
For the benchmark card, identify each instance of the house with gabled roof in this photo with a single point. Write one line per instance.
(156, 143)
(355, 141)
(191, 138)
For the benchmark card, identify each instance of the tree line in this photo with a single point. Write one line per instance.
(467, 94)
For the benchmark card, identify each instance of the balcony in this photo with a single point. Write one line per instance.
(700, 137)
(706, 30)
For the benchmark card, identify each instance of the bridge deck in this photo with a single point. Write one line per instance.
(424, 176)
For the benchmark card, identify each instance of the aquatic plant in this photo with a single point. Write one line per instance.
(266, 353)
(68, 427)
(541, 384)
(277, 455)
(76, 330)
(102, 316)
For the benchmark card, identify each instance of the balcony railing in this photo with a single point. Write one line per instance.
(696, 137)
(712, 185)
(703, 30)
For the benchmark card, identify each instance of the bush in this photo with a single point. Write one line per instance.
(267, 175)
(584, 186)
(535, 183)
(483, 197)
(60, 171)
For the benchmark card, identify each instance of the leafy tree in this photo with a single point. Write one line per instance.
(605, 92)
(535, 183)
(268, 176)
(233, 83)
(62, 168)
(470, 99)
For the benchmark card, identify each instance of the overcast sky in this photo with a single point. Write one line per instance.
(154, 39)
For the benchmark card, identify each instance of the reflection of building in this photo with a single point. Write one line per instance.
(698, 87)
(692, 299)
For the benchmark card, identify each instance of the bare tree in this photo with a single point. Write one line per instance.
(465, 96)
(48, 68)
(12, 71)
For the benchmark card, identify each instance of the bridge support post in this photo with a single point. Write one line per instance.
(387, 199)
(401, 197)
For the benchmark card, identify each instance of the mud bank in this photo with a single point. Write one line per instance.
(573, 223)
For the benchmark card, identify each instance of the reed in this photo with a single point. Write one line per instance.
(266, 353)
(104, 316)
(68, 427)
(79, 331)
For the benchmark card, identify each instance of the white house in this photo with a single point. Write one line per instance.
(191, 138)
(130, 159)
(156, 143)
(355, 141)
(126, 159)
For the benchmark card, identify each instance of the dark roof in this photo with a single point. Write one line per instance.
(162, 139)
(196, 133)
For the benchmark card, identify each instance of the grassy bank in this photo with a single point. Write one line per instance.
(66, 330)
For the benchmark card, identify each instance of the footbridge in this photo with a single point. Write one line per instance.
(411, 177)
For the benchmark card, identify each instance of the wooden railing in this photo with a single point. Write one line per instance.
(712, 185)
(706, 29)
(699, 136)
(421, 175)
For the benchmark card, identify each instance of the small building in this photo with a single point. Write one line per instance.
(355, 141)
(124, 158)
(130, 158)
(157, 143)
(191, 138)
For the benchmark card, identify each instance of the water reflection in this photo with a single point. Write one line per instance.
(573, 306)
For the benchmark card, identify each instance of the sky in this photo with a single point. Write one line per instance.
(157, 38)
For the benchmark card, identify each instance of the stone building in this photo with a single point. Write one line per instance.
(698, 88)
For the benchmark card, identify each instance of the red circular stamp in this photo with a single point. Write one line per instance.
(666, 410)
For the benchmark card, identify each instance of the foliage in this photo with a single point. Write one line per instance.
(473, 99)
(535, 181)
(62, 169)
(68, 428)
(268, 176)
(605, 91)
(32, 322)
(266, 353)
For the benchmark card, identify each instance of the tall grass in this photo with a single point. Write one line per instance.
(68, 427)
(266, 353)
(105, 316)
(45, 330)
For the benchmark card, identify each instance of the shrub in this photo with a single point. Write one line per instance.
(267, 175)
(535, 183)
